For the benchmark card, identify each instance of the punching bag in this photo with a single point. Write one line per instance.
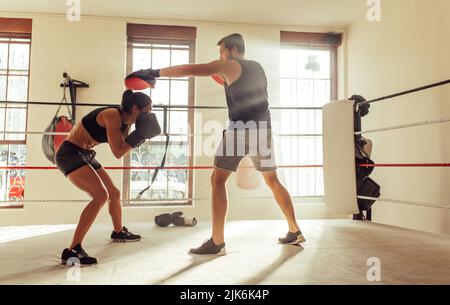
(51, 143)
(63, 124)
(247, 177)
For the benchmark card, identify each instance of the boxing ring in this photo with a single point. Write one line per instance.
(336, 252)
(339, 165)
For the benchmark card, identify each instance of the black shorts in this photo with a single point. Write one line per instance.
(71, 157)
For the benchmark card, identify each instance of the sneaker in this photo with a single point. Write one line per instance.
(124, 236)
(292, 238)
(209, 247)
(77, 256)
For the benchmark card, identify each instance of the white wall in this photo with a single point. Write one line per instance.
(94, 51)
(407, 49)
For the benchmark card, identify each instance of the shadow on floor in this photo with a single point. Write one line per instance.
(287, 253)
(37, 275)
(196, 260)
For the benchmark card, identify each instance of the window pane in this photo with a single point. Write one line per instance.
(15, 121)
(179, 92)
(169, 184)
(161, 45)
(303, 58)
(141, 59)
(323, 58)
(2, 123)
(318, 115)
(3, 56)
(17, 88)
(180, 57)
(12, 182)
(160, 95)
(301, 121)
(322, 92)
(180, 46)
(179, 122)
(161, 59)
(305, 151)
(288, 92)
(19, 56)
(288, 63)
(2, 88)
(305, 93)
(145, 45)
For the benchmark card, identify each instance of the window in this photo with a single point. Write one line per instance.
(15, 44)
(308, 79)
(158, 47)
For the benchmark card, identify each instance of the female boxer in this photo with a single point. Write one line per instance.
(76, 160)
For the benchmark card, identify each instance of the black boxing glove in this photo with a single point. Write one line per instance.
(146, 127)
(163, 220)
(151, 72)
(363, 109)
(180, 221)
(145, 74)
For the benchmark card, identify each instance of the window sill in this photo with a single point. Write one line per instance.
(8, 207)
(160, 204)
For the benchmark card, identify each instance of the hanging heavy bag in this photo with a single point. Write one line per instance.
(59, 124)
(362, 156)
(367, 188)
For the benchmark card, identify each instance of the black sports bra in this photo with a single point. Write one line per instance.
(97, 132)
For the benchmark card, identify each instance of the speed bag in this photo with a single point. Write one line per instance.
(50, 142)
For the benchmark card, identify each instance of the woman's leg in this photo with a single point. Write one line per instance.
(115, 207)
(87, 179)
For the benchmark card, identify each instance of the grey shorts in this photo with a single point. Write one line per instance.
(71, 157)
(236, 144)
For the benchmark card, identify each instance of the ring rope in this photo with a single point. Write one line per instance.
(174, 201)
(407, 202)
(406, 165)
(172, 134)
(154, 106)
(445, 82)
(147, 167)
(424, 123)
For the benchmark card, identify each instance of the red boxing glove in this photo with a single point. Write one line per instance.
(136, 83)
(218, 79)
(140, 80)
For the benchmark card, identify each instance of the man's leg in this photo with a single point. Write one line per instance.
(283, 199)
(219, 204)
(224, 165)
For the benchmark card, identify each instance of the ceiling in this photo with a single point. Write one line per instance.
(332, 13)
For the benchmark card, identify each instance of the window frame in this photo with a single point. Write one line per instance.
(316, 41)
(11, 105)
(16, 28)
(126, 179)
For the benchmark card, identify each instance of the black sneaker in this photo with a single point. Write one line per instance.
(77, 256)
(209, 247)
(292, 238)
(124, 236)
